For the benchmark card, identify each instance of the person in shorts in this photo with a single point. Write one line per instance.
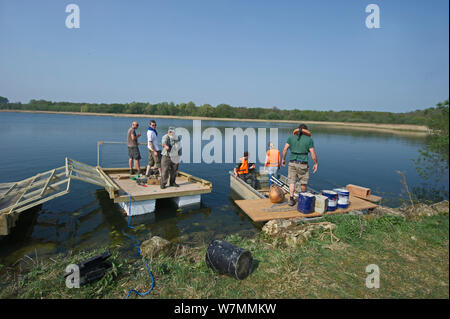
(298, 169)
(133, 149)
(154, 151)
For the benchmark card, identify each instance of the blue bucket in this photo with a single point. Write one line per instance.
(306, 202)
(343, 198)
(332, 199)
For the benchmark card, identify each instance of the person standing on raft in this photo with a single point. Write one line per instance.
(298, 169)
(170, 158)
(272, 163)
(154, 152)
(245, 170)
(133, 149)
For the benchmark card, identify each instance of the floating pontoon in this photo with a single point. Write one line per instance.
(19, 196)
(256, 204)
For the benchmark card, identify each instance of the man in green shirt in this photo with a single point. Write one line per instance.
(298, 169)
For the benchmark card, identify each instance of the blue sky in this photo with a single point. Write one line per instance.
(315, 55)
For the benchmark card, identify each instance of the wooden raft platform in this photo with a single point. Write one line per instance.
(189, 185)
(256, 209)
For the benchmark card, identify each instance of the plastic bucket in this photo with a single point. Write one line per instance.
(228, 259)
(332, 199)
(343, 197)
(306, 203)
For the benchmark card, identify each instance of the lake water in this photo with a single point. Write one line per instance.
(87, 218)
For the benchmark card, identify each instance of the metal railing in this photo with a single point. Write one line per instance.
(111, 142)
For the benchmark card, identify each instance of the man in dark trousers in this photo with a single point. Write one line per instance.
(298, 169)
(170, 158)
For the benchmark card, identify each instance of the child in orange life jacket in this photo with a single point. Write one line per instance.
(245, 170)
(272, 162)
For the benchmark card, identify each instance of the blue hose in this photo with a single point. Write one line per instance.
(137, 254)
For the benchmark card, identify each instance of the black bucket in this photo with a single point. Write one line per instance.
(226, 258)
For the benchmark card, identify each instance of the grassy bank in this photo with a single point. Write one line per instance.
(387, 128)
(413, 258)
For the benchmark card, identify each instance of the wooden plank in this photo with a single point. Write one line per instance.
(20, 197)
(107, 178)
(48, 182)
(358, 191)
(88, 175)
(9, 190)
(254, 209)
(29, 199)
(4, 228)
(46, 199)
(374, 198)
(124, 198)
(193, 178)
(128, 186)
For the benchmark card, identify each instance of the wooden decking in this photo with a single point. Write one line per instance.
(19, 196)
(189, 185)
(261, 210)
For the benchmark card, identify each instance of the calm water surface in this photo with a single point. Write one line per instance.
(86, 217)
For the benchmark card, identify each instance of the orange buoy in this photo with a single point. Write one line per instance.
(276, 194)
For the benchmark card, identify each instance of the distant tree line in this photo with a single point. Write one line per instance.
(420, 117)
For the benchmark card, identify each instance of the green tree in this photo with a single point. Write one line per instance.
(433, 159)
(205, 110)
(3, 100)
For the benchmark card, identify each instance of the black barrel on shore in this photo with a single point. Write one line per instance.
(228, 259)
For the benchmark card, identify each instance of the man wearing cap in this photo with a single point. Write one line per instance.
(298, 169)
(170, 158)
(245, 170)
(133, 149)
(154, 151)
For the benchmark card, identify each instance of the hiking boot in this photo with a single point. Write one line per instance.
(131, 172)
(291, 202)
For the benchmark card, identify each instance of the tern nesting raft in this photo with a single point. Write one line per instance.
(259, 208)
(143, 197)
(17, 197)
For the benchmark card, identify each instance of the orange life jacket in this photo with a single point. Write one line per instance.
(273, 158)
(243, 169)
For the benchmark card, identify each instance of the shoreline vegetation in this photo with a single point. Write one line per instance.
(408, 129)
(327, 259)
(415, 122)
